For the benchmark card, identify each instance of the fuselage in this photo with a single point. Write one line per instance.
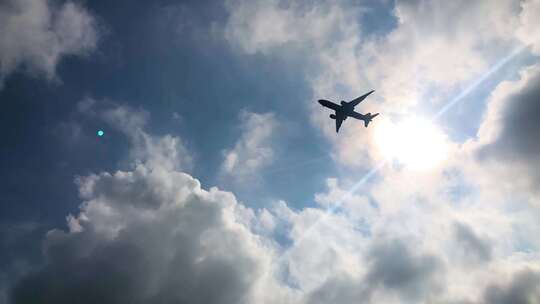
(347, 109)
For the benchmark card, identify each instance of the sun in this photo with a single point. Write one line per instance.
(416, 143)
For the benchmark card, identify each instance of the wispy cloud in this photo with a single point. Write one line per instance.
(253, 151)
(37, 34)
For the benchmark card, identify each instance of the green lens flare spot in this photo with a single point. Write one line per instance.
(100, 133)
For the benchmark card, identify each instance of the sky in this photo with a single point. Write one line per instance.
(218, 178)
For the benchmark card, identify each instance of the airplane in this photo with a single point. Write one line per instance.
(346, 109)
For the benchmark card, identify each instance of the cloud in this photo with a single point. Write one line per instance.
(523, 289)
(413, 209)
(529, 30)
(128, 120)
(152, 234)
(325, 36)
(18, 241)
(37, 34)
(507, 143)
(428, 56)
(475, 248)
(431, 52)
(406, 59)
(253, 150)
(393, 269)
(135, 243)
(158, 151)
(263, 26)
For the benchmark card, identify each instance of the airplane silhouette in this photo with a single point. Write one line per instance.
(346, 109)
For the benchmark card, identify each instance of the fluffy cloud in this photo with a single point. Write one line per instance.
(428, 56)
(434, 45)
(149, 235)
(167, 151)
(152, 234)
(470, 244)
(35, 35)
(253, 150)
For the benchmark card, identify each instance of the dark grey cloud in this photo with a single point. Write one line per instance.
(515, 111)
(19, 250)
(340, 289)
(523, 289)
(476, 249)
(519, 115)
(393, 268)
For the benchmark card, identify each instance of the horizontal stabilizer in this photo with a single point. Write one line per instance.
(369, 118)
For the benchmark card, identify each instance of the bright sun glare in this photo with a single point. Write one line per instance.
(416, 143)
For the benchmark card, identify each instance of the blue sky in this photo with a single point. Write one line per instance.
(218, 170)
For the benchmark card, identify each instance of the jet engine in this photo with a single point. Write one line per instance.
(332, 116)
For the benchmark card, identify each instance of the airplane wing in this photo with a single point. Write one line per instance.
(358, 100)
(329, 104)
(339, 120)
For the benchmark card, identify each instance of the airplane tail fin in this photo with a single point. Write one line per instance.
(369, 118)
